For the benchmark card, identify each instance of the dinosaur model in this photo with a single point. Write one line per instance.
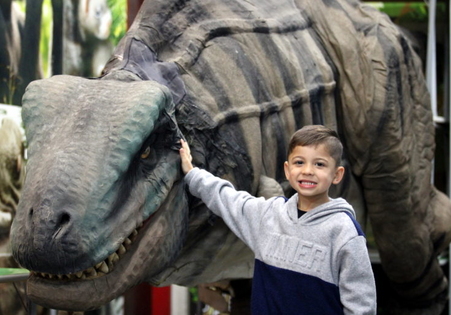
(11, 181)
(104, 206)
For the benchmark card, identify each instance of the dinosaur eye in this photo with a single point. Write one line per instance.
(146, 153)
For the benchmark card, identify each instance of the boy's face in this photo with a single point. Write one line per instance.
(310, 171)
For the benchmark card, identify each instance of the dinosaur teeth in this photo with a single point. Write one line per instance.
(121, 251)
(91, 272)
(132, 236)
(70, 276)
(100, 269)
(103, 268)
(112, 259)
(127, 242)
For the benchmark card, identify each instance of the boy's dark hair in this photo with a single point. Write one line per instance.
(313, 135)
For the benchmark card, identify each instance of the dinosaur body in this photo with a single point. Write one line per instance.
(236, 79)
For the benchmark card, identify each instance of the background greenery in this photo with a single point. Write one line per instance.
(118, 28)
(408, 11)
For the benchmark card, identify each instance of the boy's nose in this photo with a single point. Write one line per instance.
(307, 169)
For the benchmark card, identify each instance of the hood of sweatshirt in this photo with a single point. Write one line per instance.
(319, 213)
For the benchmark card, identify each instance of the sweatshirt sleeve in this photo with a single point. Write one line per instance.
(241, 211)
(356, 279)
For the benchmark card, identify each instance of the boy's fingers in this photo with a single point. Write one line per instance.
(184, 150)
(185, 146)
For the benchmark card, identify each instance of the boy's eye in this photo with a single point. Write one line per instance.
(298, 162)
(320, 164)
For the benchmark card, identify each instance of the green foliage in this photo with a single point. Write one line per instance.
(21, 5)
(46, 33)
(45, 45)
(119, 27)
(194, 294)
(408, 11)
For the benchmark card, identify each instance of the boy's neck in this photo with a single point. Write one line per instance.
(307, 204)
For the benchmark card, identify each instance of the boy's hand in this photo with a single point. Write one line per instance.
(186, 157)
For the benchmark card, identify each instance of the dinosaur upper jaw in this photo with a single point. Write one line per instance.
(156, 245)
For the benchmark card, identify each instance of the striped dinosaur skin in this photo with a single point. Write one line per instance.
(243, 77)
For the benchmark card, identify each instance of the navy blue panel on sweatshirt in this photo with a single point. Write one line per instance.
(280, 291)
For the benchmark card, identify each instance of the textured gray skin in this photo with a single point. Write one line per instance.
(236, 79)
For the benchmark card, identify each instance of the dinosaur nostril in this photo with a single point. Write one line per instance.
(63, 221)
(65, 218)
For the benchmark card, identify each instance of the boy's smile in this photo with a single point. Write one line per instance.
(311, 170)
(307, 184)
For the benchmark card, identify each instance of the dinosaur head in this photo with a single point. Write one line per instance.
(103, 205)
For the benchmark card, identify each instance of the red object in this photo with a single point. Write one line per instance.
(147, 300)
(161, 300)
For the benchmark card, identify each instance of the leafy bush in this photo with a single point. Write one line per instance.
(119, 12)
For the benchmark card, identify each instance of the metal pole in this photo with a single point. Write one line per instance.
(179, 300)
(431, 64)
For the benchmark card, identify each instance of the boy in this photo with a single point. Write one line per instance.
(310, 253)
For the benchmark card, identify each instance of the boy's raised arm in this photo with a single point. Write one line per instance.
(185, 155)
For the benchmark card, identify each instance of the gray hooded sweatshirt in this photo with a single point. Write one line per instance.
(315, 264)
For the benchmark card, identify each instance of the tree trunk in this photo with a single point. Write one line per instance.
(57, 45)
(29, 62)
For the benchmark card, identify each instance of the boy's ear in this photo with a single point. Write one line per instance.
(285, 168)
(338, 175)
